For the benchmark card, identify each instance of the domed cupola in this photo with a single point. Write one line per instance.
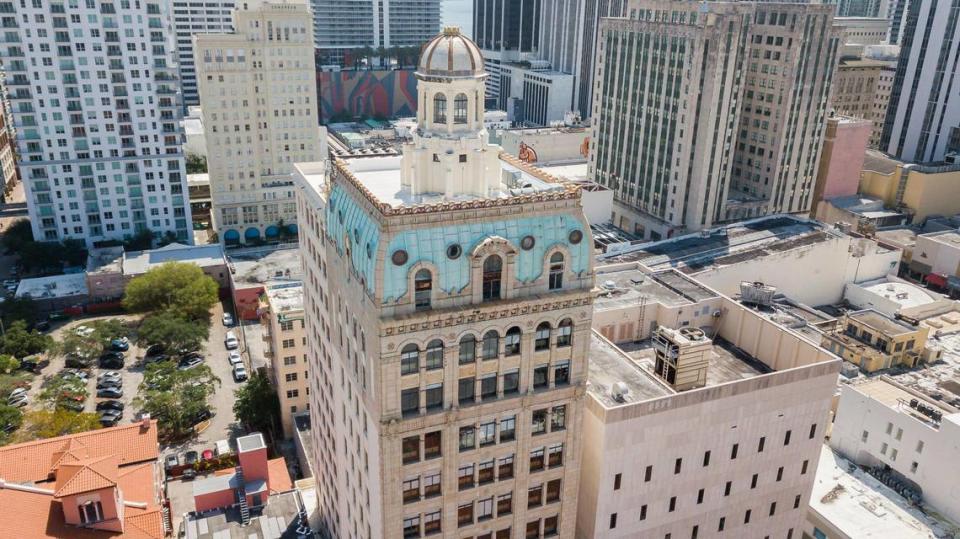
(450, 55)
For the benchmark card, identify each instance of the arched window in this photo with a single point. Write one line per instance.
(511, 343)
(422, 288)
(556, 271)
(491, 345)
(440, 109)
(410, 359)
(468, 349)
(492, 275)
(542, 341)
(565, 332)
(460, 109)
(435, 355)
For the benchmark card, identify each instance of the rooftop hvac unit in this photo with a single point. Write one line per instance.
(619, 391)
(756, 293)
(682, 357)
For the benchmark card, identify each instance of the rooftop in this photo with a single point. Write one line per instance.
(861, 506)
(864, 206)
(897, 396)
(900, 237)
(610, 365)
(629, 286)
(906, 294)
(105, 260)
(139, 262)
(265, 265)
(280, 517)
(881, 322)
(381, 177)
(573, 171)
(55, 286)
(251, 442)
(878, 161)
(726, 363)
(807, 321)
(286, 298)
(726, 245)
(949, 238)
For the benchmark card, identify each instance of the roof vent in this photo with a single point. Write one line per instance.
(609, 285)
(619, 391)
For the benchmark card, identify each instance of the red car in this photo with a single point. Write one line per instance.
(207, 454)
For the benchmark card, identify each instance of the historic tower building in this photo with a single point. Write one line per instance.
(448, 300)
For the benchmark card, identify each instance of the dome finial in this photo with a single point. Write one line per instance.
(451, 30)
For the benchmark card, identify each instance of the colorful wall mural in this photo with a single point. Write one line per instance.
(375, 93)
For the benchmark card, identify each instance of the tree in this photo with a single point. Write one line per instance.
(179, 287)
(41, 424)
(173, 332)
(84, 348)
(257, 406)
(14, 309)
(8, 364)
(10, 420)
(74, 252)
(20, 343)
(59, 389)
(174, 397)
(196, 164)
(18, 234)
(140, 241)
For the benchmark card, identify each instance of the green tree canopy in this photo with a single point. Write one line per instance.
(58, 389)
(172, 331)
(257, 406)
(41, 424)
(174, 397)
(20, 343)
(84, 347)
(18, 234)
(178, 287)
(10, 420)
(14, 309)
(8, 363)
(196, 164)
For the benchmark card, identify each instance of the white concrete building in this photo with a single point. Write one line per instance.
(886, 425)
(96, 105)
(923, 118)
(196, 138)
(711, 428)
(190, 18)
(785, 252)
(889, 295)
(283, 316)
(259, 99)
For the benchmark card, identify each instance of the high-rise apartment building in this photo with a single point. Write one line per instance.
(9, 170)
(258, 94)
(704, 113)
(339, 26)
(507, 31)
(923, 119)
(448, 294)
(189, 18)
(282, 314)
(95, 99)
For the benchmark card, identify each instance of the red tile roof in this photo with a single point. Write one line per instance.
(34, 461)
(86, 475)
(279, 476)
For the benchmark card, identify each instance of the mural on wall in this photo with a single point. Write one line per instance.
(375, 93)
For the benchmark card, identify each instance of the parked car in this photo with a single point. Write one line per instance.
(203, 415)
(53, 317)
(207, 454)
(74, 361)
(103, 384)
(110, 393)
(189, 474)
(239, 372)
(17, 392)
(74, 373)
(189, 362)
(42, 325)
(34, 363)
(109, 375)
(154, 349)
(120, 345)
(192, 355)
(83, 331)
(71, 405)
(111, 363)
(230, 341)
(18, 401)
(228, 320)
(190, 457)
(156, 359)
(113, 354)
(109, 418)
(171, 461)
(234, 358)
(110, 405)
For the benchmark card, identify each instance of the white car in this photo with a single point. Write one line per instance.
(239, 372)
(231, 341)
(227, 319)
(234, 358)
(17, 392)
(83, 331)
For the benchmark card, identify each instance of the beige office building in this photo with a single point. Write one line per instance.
(283, 316)
(448, 300)
(258, 96)
(705, 113)
(861, 89)
(705, 417)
